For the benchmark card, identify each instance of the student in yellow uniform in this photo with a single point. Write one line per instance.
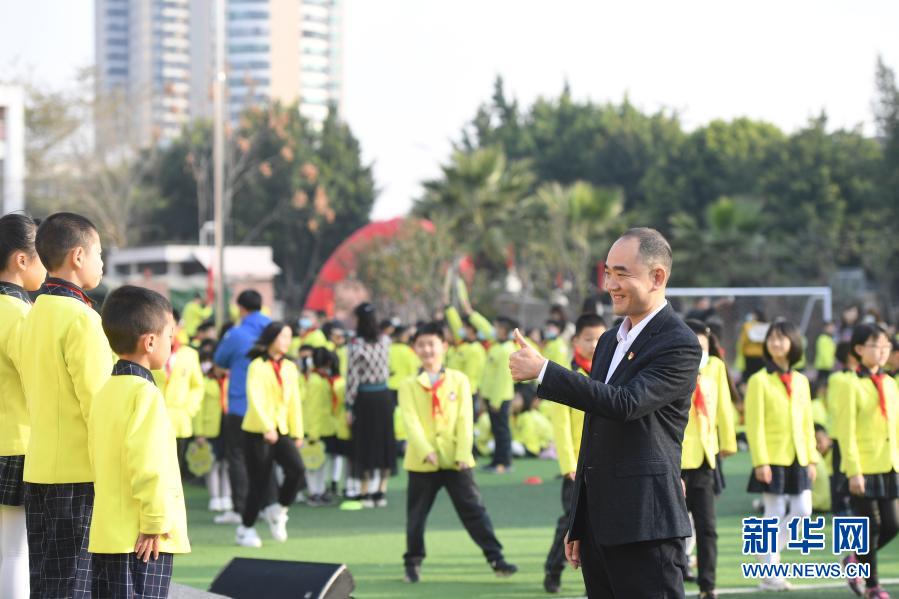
(403, 363)
(140, 520)
(338, 446)
(21, 271)
(751, 345)
(64, 360)
(839, 385)
(308, 331)
(710, 431)
(869, 440)
(207, 427)
(555, 348)
(532, 432)
(181, 382)
(568, 424)
(196, 311)
(467, 353)
(273, 432)
(781, 435)
(497, 387)
(825, 356)
(319, 424)
(436, 406)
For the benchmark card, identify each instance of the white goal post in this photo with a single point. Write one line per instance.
(814, 294)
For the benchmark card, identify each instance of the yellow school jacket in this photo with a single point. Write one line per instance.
(449, 434)
(338, 412)
(869, 443)
(472, 359)
(314, 338)
(496, 381)
(780, 429)
(65, 360)
(183, 389)
(568, 426)
(533, 430)
(14, 426)
(271, 405)
(558, 351)
(403, 364)
(137, 482)
(706, 435)
(825, 352)
(318, 419)
(208, 420)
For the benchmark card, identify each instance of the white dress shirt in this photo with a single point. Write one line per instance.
(626, 336)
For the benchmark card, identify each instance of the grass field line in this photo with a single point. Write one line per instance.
(796, 587)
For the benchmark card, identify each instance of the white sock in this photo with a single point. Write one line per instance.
(776, 507)
(337, 469)
(374, 481)
(213, 481)
(14, 579)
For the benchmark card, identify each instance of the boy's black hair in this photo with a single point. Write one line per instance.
(325, 359)
(429, 328)
(266, 338)
(250, 300)
(61, 233)
(791, 332)
(17, 233)
(863, 333)
(554, 322)
(844, 350)
(588, 320)
(698, 327)
(209, 323)
(130, 312)
(206, 350)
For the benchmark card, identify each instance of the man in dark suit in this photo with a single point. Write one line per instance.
(628, 514)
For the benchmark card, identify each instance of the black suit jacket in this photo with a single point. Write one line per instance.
(628, 473)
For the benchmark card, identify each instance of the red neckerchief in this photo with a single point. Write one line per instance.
(877, 379)
(176, 345)
(699, 399)
(63, 284)
(435, 401)
(583, 362)
(787, 379)
(335, 400)
(276, 366)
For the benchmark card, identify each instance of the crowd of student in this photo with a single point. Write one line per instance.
(103, 416)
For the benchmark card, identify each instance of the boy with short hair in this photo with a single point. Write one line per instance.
(436, 407)
(65, 359)
(568, 425)
(140, 520)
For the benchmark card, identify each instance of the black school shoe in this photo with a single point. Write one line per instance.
(552, 584)
(413, 573)
(502, 568)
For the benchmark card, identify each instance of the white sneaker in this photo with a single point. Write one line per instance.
(775, 584)
(226, 504)
(229, 517)
(276, 516)
(247, 537)
(215, 504)
(382, 502)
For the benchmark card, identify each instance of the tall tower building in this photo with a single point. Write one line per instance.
(159, 54)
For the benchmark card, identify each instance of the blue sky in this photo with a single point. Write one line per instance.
(416, 70)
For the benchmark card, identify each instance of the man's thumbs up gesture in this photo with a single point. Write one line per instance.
(527, 362)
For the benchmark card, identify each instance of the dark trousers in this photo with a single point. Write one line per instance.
(466, 498)
(502, 435)
(58, 520)
(645, 570)
(125, 576)
(882, 527)
(701, 503)
(261, 458)
(555, 561)
(839, 495)
(234, 456)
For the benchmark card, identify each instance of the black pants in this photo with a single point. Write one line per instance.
(646, 570)
(234, 456)
(839, 496)
(466, 498)
(261, 458)
(502, 435)
(555, 561)
(883, 526)
(701, 503)
(58, 520)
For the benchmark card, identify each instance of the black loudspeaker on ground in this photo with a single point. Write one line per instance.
(246, 578)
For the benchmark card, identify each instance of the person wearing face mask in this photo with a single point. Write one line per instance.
(710, 424)
(308, 332)
(207, 427)
(869, 440)
(781, 432)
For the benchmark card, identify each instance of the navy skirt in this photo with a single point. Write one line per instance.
(785, 480)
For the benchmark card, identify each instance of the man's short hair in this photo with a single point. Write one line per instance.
(430, 328)
(654, 248)
(130, 312)
(250, 300)
(586, 321)
(61, 233)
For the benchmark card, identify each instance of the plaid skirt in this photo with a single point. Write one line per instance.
(12, 489)
(785, 480)
(878, 486)
(124, 576)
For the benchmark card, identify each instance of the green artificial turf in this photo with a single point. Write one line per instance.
(372, 542)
